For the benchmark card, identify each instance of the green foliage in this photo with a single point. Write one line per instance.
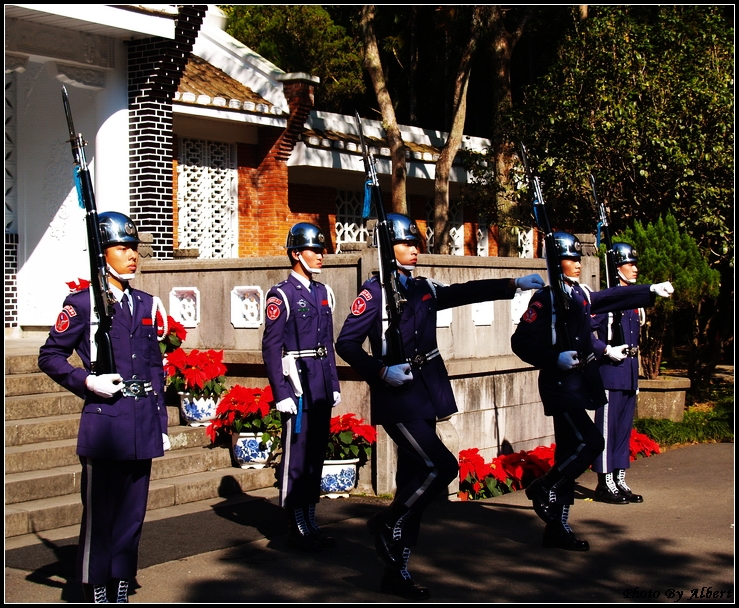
(303, 38)
(643, 97)
(696, 427)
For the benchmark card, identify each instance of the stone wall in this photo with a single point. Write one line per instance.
(497, 395)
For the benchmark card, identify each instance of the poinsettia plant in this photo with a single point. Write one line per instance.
(640, 445)
(247, 410)
(349, 437)
(175, 336)
(200, 373)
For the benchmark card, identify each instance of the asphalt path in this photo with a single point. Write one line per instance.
(677, 546)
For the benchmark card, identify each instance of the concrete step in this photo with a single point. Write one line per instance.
(58, 481)
(62, 452)
(30, 384)
(20, 407)
(27, 363)
(60, 511)
(38, 430)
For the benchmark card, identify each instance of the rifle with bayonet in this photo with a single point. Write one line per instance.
(616, 333)
(101, 357)
(394, 352)
(554, 267)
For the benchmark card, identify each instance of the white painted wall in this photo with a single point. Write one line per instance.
(51, 225)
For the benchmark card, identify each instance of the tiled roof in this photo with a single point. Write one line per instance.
(203, 84)
(378, 147)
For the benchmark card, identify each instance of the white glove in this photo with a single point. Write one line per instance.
(165, 442)
(568, 360)
(337, 398)
(532, 281)
(664, 290)
(397, 375)
(105, 385)
(617, 353)
(287, 406)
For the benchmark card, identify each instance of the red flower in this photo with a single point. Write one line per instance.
(349, 437)
(640, 444)
(244, 409)
(74, 287)
(198, 371)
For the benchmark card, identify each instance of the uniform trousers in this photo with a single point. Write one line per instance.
(114, 497)
(303, 453)
(578, 443)
(615, 421)
(425, 468)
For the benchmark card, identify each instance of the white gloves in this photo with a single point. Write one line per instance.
(397, 375)
(337, 398)
(532, 281)
(664, 290)
(105, 385)
(287, 406)
(568, 360)
(617, 353)
(165, 442)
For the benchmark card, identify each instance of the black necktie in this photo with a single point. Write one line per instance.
(126, 308)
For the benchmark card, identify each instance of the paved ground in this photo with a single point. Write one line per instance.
(676, 546)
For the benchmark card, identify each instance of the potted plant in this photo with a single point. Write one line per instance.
(350, 442)
(198, 377)
(247, 415)
(173, 338)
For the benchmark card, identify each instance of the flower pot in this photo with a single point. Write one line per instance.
(197, 411)
(338, 477)
(246, 452)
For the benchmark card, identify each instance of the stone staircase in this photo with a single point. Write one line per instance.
(42, 471)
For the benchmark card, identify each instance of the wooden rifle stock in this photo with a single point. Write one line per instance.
(389, 273)
(554, 266)
(103, 361)
(616, 334)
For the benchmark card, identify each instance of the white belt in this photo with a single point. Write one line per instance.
(317, 353)
(420, 360)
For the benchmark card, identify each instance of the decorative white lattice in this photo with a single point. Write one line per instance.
(247, 306)
(207, 198)
(456, 226)
(350, 227)
(184, 305)
(525, 243)
(482, 235)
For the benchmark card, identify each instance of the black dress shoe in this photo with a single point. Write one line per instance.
(324, 539)
(536, 493)
(307, 543)
(603, 494)
(558, 538)
(389, 551)
(394, 582)
(630, 496)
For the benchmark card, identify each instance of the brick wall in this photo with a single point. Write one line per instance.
(11, 284)
(155, 66)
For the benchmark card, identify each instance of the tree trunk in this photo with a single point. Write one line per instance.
(373, 65)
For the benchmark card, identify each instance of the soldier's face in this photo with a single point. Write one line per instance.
(571, 267)
(124, 259)
(406, 253)
(629, 271)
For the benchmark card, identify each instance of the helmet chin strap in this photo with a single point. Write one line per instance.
(307, 268)
(407, 267)
(122, 277)
(623, 278)
(573, 280)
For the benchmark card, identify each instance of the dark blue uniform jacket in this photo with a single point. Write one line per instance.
(429, 396)
(119, 428)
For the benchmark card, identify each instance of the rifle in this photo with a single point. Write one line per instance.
(393, 351)
(554, 267)
(101, 355)
(616, 333)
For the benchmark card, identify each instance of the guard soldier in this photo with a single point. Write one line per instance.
(569, 383)
(124, 418)
(298, 352)
(619, 369)
(408, 398)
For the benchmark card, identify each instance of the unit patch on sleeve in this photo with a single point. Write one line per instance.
(359, 306)
(273, 310)
(62, 322)
(529, 316)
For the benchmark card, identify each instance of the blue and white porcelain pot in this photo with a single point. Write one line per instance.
(338, 477)
(246, 450)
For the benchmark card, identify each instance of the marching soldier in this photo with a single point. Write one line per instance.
(124, 418)
(298, 352)
(408, 398)
(570, 383)
(619, 369)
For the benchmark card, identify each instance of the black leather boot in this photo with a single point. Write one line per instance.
(387, 532)
(559, 535)
(542, 493)
(607, 491)
(323, 539)
(397, 580)
(619, 477)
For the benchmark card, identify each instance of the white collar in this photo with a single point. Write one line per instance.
(305, 282)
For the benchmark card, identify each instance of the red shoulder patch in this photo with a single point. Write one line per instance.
(69, 309)
(529, 316)
(274, 300)
(273, 311)
(365, 294)
(62, 322)
(536, 303)
(359, 306)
